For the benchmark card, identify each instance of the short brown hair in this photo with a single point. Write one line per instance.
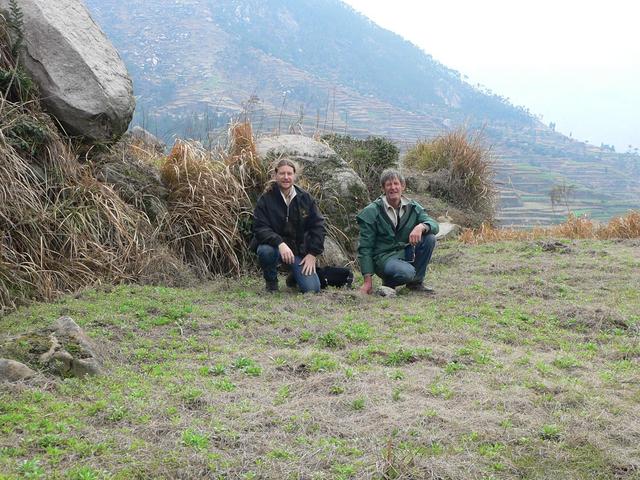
(390, 174)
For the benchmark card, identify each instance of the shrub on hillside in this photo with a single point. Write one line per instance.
(368, 157)
(459, 170)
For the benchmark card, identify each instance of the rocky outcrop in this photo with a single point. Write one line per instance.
(83, 81)
(342, 193)
(63, 350)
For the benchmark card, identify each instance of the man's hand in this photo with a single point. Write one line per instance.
(367, 285)
(285, 253)
(308, 264)
(416, 234)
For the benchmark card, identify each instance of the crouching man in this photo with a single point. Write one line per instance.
(397, 238)
(288, 228)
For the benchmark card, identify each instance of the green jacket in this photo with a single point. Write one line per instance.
(379, 241)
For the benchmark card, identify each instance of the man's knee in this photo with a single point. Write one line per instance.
(267, 254)
(309, 283)
(305, 288)
(429, 241)
(398, 271)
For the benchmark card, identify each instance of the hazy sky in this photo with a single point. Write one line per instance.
(576, 63)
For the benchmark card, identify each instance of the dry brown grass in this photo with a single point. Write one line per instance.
(60, 229)
(242, 159)
(460, 170)
(208, 204)
(575, 227)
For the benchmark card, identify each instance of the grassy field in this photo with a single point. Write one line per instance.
(525, 364)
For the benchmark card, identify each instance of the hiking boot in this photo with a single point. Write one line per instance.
(291, 281)
(420, 288)
(271, 286)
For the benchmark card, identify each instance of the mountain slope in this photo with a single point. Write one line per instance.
(317, 65)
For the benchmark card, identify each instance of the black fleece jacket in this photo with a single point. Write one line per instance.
(301, 226)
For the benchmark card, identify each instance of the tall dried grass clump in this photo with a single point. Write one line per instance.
(207, 206)
(460, 171)
(60, 229)
(242, 159)
(622, 227)
(625, 227)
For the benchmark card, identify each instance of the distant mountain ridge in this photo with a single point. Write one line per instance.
(317, 65)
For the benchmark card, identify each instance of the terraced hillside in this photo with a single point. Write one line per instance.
(317, 66)
(602, 183)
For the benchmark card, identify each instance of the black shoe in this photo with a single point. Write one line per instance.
(420, 288)
(291, 281)
(271, 285)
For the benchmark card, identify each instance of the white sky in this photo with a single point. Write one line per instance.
(576, 63)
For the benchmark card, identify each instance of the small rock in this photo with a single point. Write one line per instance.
(85, 366)
(147, 138)
(67, 327)
(386, 291)
(63, 360)
(12, 371)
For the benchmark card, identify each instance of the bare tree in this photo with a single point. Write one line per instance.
(560, 195)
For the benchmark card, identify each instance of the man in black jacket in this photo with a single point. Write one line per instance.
(288, 228)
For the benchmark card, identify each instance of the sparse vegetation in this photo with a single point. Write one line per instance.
(516, 368)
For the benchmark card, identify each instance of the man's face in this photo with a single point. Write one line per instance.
(393, 191)
(285, 177)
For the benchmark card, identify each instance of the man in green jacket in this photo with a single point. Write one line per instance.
(397, 238)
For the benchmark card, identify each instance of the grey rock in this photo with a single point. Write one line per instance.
(83, 362)
(12, 371)
(62, 361)
(386, 291)
(295, 146)
(67, 327)
(138, 183)
(82, 367)
(146, 138)
(448, 231)
(83, 81)
(333, 254)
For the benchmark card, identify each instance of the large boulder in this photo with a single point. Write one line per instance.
(342, 193)
(83, 81)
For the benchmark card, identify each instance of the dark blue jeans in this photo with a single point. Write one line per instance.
(413, 268)
(269, 258)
